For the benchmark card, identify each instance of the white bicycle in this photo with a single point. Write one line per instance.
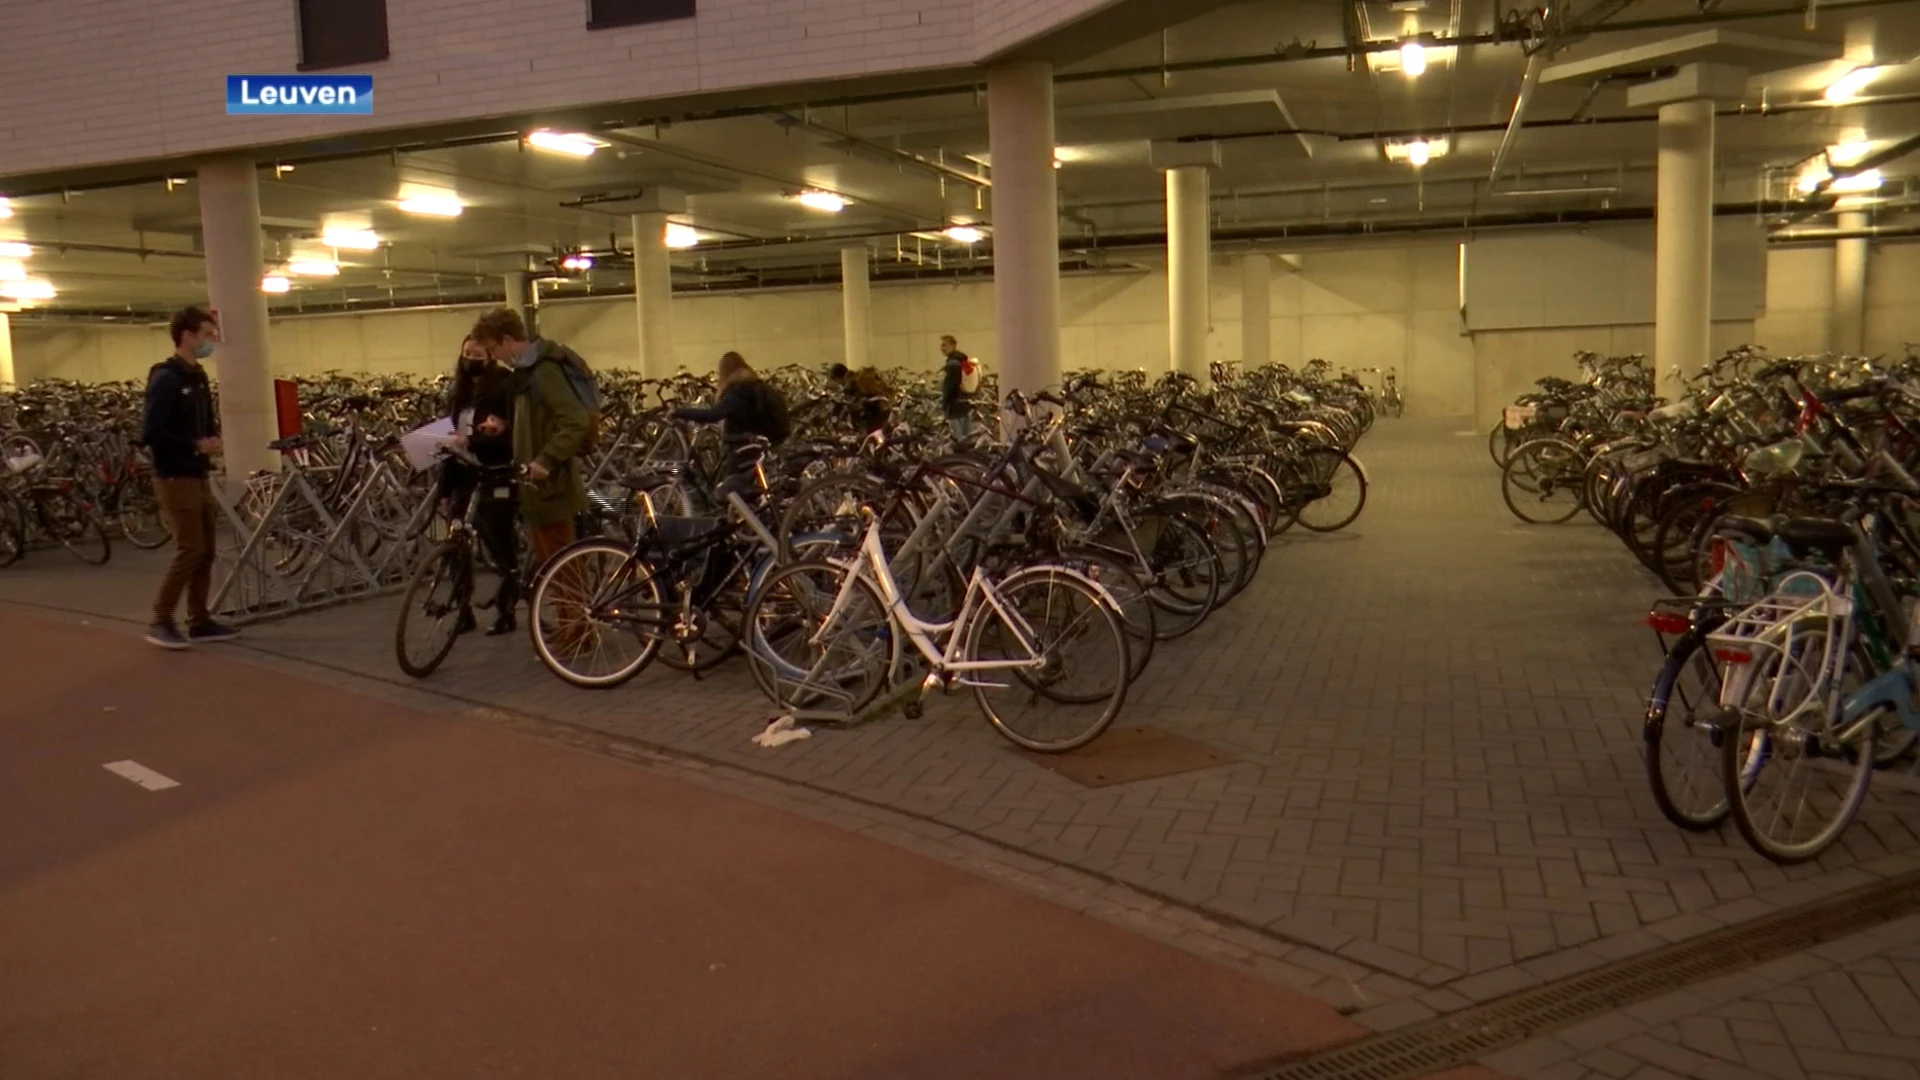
(1043, 648)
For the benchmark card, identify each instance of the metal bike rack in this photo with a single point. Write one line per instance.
(330, 558)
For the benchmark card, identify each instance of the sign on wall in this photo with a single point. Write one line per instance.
(299, 95)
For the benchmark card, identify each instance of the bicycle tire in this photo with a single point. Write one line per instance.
(1137, 609)
(1523, 462)
(780, 678)
(1103, 632)
(1672, 783)
(81, 533)
(443, 563)
(142, 523)
(1185, 610)
(13, 538)
(1323, 467)
(1743, 778)
(546, 622)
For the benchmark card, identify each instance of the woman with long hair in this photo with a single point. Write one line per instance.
(747, 405)
(481, 408)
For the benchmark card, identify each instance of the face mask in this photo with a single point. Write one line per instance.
(473, 367)
(528, 355)
(203, 350)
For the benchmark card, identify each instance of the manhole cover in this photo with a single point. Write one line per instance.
(1124, 755)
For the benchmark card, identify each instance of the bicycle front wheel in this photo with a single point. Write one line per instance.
(1794, 789)
(72, 522)
(141, 521)
(597, 614)
(1067, 656)
(1543, 482)
(819, 640)
(436, 599)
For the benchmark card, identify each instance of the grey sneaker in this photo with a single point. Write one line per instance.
(165, 635)
(211, 631)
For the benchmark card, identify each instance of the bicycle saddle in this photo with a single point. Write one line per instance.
(1822, 535)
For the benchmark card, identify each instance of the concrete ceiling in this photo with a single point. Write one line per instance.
(1303, 113)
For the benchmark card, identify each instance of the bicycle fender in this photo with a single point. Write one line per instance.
(1891, 690)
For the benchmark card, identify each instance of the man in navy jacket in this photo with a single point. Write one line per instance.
(179, 428)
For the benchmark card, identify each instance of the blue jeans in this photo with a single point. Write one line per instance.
(962, 425)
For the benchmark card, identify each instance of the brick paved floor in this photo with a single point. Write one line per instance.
(1437, 794)
(1850, 1008)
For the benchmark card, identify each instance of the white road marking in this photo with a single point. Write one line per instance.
(140, 774)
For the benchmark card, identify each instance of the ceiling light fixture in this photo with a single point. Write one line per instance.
(1848, 86)
(964, 234)
(13, 271)
(1413, 59)
(577, 262)
(1417, 152)
(28, 290)
(1865, 180)
(442, 205)
(351, 239)
(14, 249)
(6, 208)
(570, 143)
(314, 267)
(681, 236)
(275, 283)
(821, 200)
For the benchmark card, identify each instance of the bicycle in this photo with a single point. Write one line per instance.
(440, 594)
(844, 624)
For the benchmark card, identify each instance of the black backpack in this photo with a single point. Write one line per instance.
(774, 422)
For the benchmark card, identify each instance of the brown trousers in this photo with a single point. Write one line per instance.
(544, 540)
(190, 511)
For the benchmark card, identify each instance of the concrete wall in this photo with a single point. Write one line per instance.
(1380, 305)
(73, 99)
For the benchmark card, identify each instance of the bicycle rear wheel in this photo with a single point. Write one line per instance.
(806, 653)
(13, 535)
(1543, 481)
(1328, 490)
(1078, 669)
(72, 522)
(141, 522)
(1683, 737)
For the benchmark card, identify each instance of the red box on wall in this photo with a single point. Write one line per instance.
(286, 406)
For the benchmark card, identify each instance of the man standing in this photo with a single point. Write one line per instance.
(179, 428)
(956, 395)
(550, 423)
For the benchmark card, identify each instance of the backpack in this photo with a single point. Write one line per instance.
(586, 387)
(774, 421)
(868, 383)
(969, 375)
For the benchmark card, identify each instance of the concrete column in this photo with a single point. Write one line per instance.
(1026, 225)
(1683, 244)
(6, 353)
(516, 288)
(1188, 256)
(856, 305)
(1849, 335)
(653, 294)
(230, 230)
(1256, 311)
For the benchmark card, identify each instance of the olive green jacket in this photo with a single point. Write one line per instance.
(549, 424)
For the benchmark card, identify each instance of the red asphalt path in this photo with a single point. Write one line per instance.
(345, 888)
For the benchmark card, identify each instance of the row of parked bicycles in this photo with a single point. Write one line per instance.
(853, 571)
(1776, 501)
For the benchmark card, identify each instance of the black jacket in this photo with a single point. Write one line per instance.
(179, 413)
(954, 401)
(740, 410)
(488, 394)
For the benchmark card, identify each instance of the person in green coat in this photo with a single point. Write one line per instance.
(549, 428)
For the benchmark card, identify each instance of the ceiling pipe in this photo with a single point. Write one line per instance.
(1527, 82)
(905, 157)
(1827, 236)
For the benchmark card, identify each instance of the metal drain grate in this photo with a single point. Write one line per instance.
(1475, 1032)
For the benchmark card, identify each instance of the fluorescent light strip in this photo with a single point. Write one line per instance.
(572, 144)
(446, 206)
(313, 268)
(28, 290)
(351, 239)
(681, 236)
(821, 200)
(14, 249)
(1848, 86)
(275, 283)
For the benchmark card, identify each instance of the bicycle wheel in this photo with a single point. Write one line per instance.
(1123, 583)
(1184, 572)
(1329, 490)
(1074, 642)
(440, 591)
(1498, 443)
(816, 640)
(596, 614)
(1237, 557)
(1542, 481)
(141, 522)
(1683, 737)
(73, 523)
(1770, 760)
(13, 537)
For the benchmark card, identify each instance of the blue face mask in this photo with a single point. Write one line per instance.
(203, 350)
(527, 355)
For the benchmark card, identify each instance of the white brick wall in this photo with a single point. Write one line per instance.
(91, 82)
